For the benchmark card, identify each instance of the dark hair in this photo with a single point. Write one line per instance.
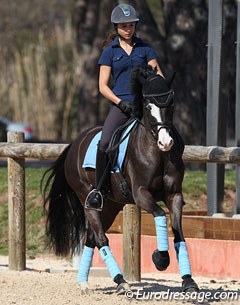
(111, 35)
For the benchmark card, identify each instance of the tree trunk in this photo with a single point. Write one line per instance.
(92, 22)
(186, 33)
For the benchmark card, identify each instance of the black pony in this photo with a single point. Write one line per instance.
(153, 170)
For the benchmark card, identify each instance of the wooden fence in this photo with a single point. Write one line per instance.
(17, 152)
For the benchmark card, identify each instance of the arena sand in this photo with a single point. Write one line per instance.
(52, 281)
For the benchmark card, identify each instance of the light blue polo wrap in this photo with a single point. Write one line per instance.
(161, 232)
(85, 264)
(183, 259)
(110, 261)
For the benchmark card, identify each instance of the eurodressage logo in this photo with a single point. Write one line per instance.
(168, 295)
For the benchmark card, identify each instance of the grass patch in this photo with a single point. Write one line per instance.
(35, 221)
(230, 180)
(194, 183)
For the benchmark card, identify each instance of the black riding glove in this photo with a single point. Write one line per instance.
(126, 107)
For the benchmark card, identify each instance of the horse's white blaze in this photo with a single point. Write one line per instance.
(165, 141)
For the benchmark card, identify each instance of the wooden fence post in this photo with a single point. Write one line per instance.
(16, 208)
(131, 242)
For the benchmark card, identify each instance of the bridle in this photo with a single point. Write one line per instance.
(161, 100)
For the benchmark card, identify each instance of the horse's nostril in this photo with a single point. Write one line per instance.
(170, 144)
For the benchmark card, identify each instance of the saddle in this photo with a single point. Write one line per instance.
(113, 153)
(117, 148)
(116, 152)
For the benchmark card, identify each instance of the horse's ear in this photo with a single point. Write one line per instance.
(138, 75)
(141, 78)
(169, 80)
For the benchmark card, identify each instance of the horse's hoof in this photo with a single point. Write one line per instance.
(122, 288)
(85, 289)
(161, 259)
(189, 285)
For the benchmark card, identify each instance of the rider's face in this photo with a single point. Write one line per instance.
(126, 30)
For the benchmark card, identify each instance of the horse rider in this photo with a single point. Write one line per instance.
(122, 52)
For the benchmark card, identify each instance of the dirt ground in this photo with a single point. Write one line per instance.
(52, 281)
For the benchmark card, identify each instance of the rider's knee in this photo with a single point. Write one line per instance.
(103, 145)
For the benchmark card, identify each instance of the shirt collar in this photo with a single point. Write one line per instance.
(115, 42)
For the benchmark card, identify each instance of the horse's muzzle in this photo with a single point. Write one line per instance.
(165, 146)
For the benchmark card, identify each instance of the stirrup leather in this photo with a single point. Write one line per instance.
(87, 204)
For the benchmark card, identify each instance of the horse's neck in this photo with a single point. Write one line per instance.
(144, 135)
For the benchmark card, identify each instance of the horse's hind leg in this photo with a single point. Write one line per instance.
(175, 207)
(104, 250)
(86, 261)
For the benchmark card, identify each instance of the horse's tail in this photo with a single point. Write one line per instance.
(65, 226)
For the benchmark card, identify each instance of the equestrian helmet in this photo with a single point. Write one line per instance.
(123, 13)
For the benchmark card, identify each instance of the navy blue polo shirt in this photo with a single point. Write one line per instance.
(122, 63)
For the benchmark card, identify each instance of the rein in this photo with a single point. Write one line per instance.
(152, 132)
(154, 99)
(112, 147)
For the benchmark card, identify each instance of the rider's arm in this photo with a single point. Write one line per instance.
(104, 76)
(153, 62)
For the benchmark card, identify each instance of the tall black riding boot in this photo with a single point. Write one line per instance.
(94, 199)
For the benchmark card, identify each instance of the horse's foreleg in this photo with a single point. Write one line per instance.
(176, 203)
(160, 256)
(146, 201)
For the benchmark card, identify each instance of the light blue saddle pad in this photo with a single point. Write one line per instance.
(90, 157)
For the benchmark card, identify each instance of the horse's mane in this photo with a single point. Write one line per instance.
(139, 74)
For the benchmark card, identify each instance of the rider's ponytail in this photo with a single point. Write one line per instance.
(111, 35)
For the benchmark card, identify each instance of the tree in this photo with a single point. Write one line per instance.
(92, 22)
(186, 40)
(177, 30)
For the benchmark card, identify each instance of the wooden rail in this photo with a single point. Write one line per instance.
(31, 150)
(17, 152)
(206, 227)
(212, 154)
(192, 154)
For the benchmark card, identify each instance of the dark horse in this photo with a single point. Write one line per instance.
(153, 169)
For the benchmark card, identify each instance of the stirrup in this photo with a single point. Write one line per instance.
(93, 193)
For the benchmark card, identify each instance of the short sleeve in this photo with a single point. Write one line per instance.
(150, 54)
(106, 57)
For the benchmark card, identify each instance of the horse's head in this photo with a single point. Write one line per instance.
(157, 101)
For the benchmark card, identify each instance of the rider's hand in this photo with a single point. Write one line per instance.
(126, 107)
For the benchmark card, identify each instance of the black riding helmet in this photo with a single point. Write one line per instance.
(123, 13)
